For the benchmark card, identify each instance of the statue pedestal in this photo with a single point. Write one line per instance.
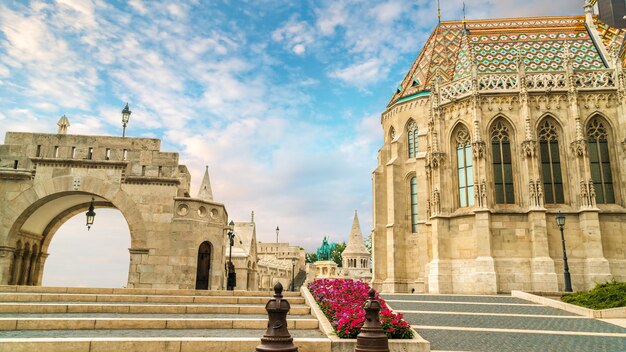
(325, 269)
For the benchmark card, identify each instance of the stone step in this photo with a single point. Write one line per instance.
(170, 308)
(140, 291)
(116, 323)
(215, 340)
(137, 298)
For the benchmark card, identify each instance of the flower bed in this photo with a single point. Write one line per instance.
(342, 302)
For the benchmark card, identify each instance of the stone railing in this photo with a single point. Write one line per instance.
(534, 82)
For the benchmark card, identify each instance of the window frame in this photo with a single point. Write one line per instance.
(502, 131)
(554, 137)
(462, 141)
(603, 122)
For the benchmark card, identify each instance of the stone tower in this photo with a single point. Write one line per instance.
(356, 257)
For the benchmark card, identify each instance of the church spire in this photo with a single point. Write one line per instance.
(205, 192)
(355, 241)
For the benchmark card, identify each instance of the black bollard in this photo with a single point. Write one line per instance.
(277, 337)
(372, 337)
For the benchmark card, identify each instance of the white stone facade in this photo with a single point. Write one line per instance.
(429, 238)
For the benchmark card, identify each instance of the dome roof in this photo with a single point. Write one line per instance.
(495, 46)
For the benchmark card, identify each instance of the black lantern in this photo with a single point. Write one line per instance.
(125, 118)
(277, 230)
(293, 268)
(90, 215)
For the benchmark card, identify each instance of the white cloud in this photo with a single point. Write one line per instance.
(362, 73)
(295, 34)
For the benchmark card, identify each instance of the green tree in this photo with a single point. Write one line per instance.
(368, 243)
(311, 257)
(335, 253)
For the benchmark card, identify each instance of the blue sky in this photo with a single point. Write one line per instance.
(282, 99)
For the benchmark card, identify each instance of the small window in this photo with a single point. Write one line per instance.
(412, 139)
(15, 164)
(73, 152)
(160, 171)
(90, 153)
(38, 153)
(143, 170)
(107, 154)
(56, 151)
(125, 154)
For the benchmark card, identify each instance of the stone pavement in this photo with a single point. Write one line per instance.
(502, 323)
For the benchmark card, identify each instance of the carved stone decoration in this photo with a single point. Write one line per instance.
(435, 201)
(529, 148)
(436, 158)
(597, 101)
(500, 103)
(587, 194)
(480, 194)
(579, 148)
(547, 102)
(428, 212)
(478, 149)
(535, 192)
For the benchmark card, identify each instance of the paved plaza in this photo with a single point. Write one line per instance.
(503, 323)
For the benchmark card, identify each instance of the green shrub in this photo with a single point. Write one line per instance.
(603, 296)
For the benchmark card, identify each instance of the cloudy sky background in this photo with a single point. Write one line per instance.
(281, 99)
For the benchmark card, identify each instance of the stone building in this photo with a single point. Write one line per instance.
(244, 256)
(275, 263)
(498, 125)
(356, 257)
(177, 241)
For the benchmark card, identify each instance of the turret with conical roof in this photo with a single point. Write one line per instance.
(356, 257)
(205, 192)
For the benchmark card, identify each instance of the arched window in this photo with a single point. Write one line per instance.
(412, 136)
(464, 167)
(600, 161)
(502, 165)
(414, 204)
(550, 162)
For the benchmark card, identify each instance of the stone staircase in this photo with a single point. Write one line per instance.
(95, 319)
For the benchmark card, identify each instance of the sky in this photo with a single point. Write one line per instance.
(281, 99)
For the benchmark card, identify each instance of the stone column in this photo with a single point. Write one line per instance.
(25, 268)
(484, 278)
(40, 265)
(542, 271)
(596, 266)
(6, 259)
(17, 267)
(439, 268)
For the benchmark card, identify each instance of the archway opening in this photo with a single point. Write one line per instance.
(95, 258)
(204, 266)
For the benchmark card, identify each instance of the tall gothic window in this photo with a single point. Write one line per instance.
(414, 204)
(502, 165)
(550, 162)
(412, 136)
(600, 161)
(464, 167)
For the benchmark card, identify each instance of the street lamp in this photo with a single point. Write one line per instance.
(231, 281)
(125, 117)
(560, 220)
(293, 268)
(90, 215)
(277, 229)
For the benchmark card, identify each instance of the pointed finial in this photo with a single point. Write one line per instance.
(205, 191)
(464, 20)
(439, 11)
(63, 124)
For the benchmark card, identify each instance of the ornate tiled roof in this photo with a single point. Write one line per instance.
(495, 46)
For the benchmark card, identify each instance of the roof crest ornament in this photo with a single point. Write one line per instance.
(63, 124)
(439, 11)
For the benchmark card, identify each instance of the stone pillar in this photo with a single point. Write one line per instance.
(439, 269)
(484, 277)
(596, 266)
(33, 266)
(542, 272)
(6, 259)
(40, 265)
(25, 264)
(17, 267)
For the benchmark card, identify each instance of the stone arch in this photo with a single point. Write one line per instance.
(502, 175)
(508, 121)
(607, 188)
(554, 192)
(32, 199)
(558, 122)
(204, 265)
(50, 203)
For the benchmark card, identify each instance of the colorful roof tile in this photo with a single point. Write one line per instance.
(495, 45)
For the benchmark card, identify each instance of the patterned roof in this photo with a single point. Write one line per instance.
(495, 45)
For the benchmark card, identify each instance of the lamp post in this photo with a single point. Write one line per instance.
(293, 268)
(91, 215)
(277, 229)
(231, 281)
(125, 118)
(560, 220)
